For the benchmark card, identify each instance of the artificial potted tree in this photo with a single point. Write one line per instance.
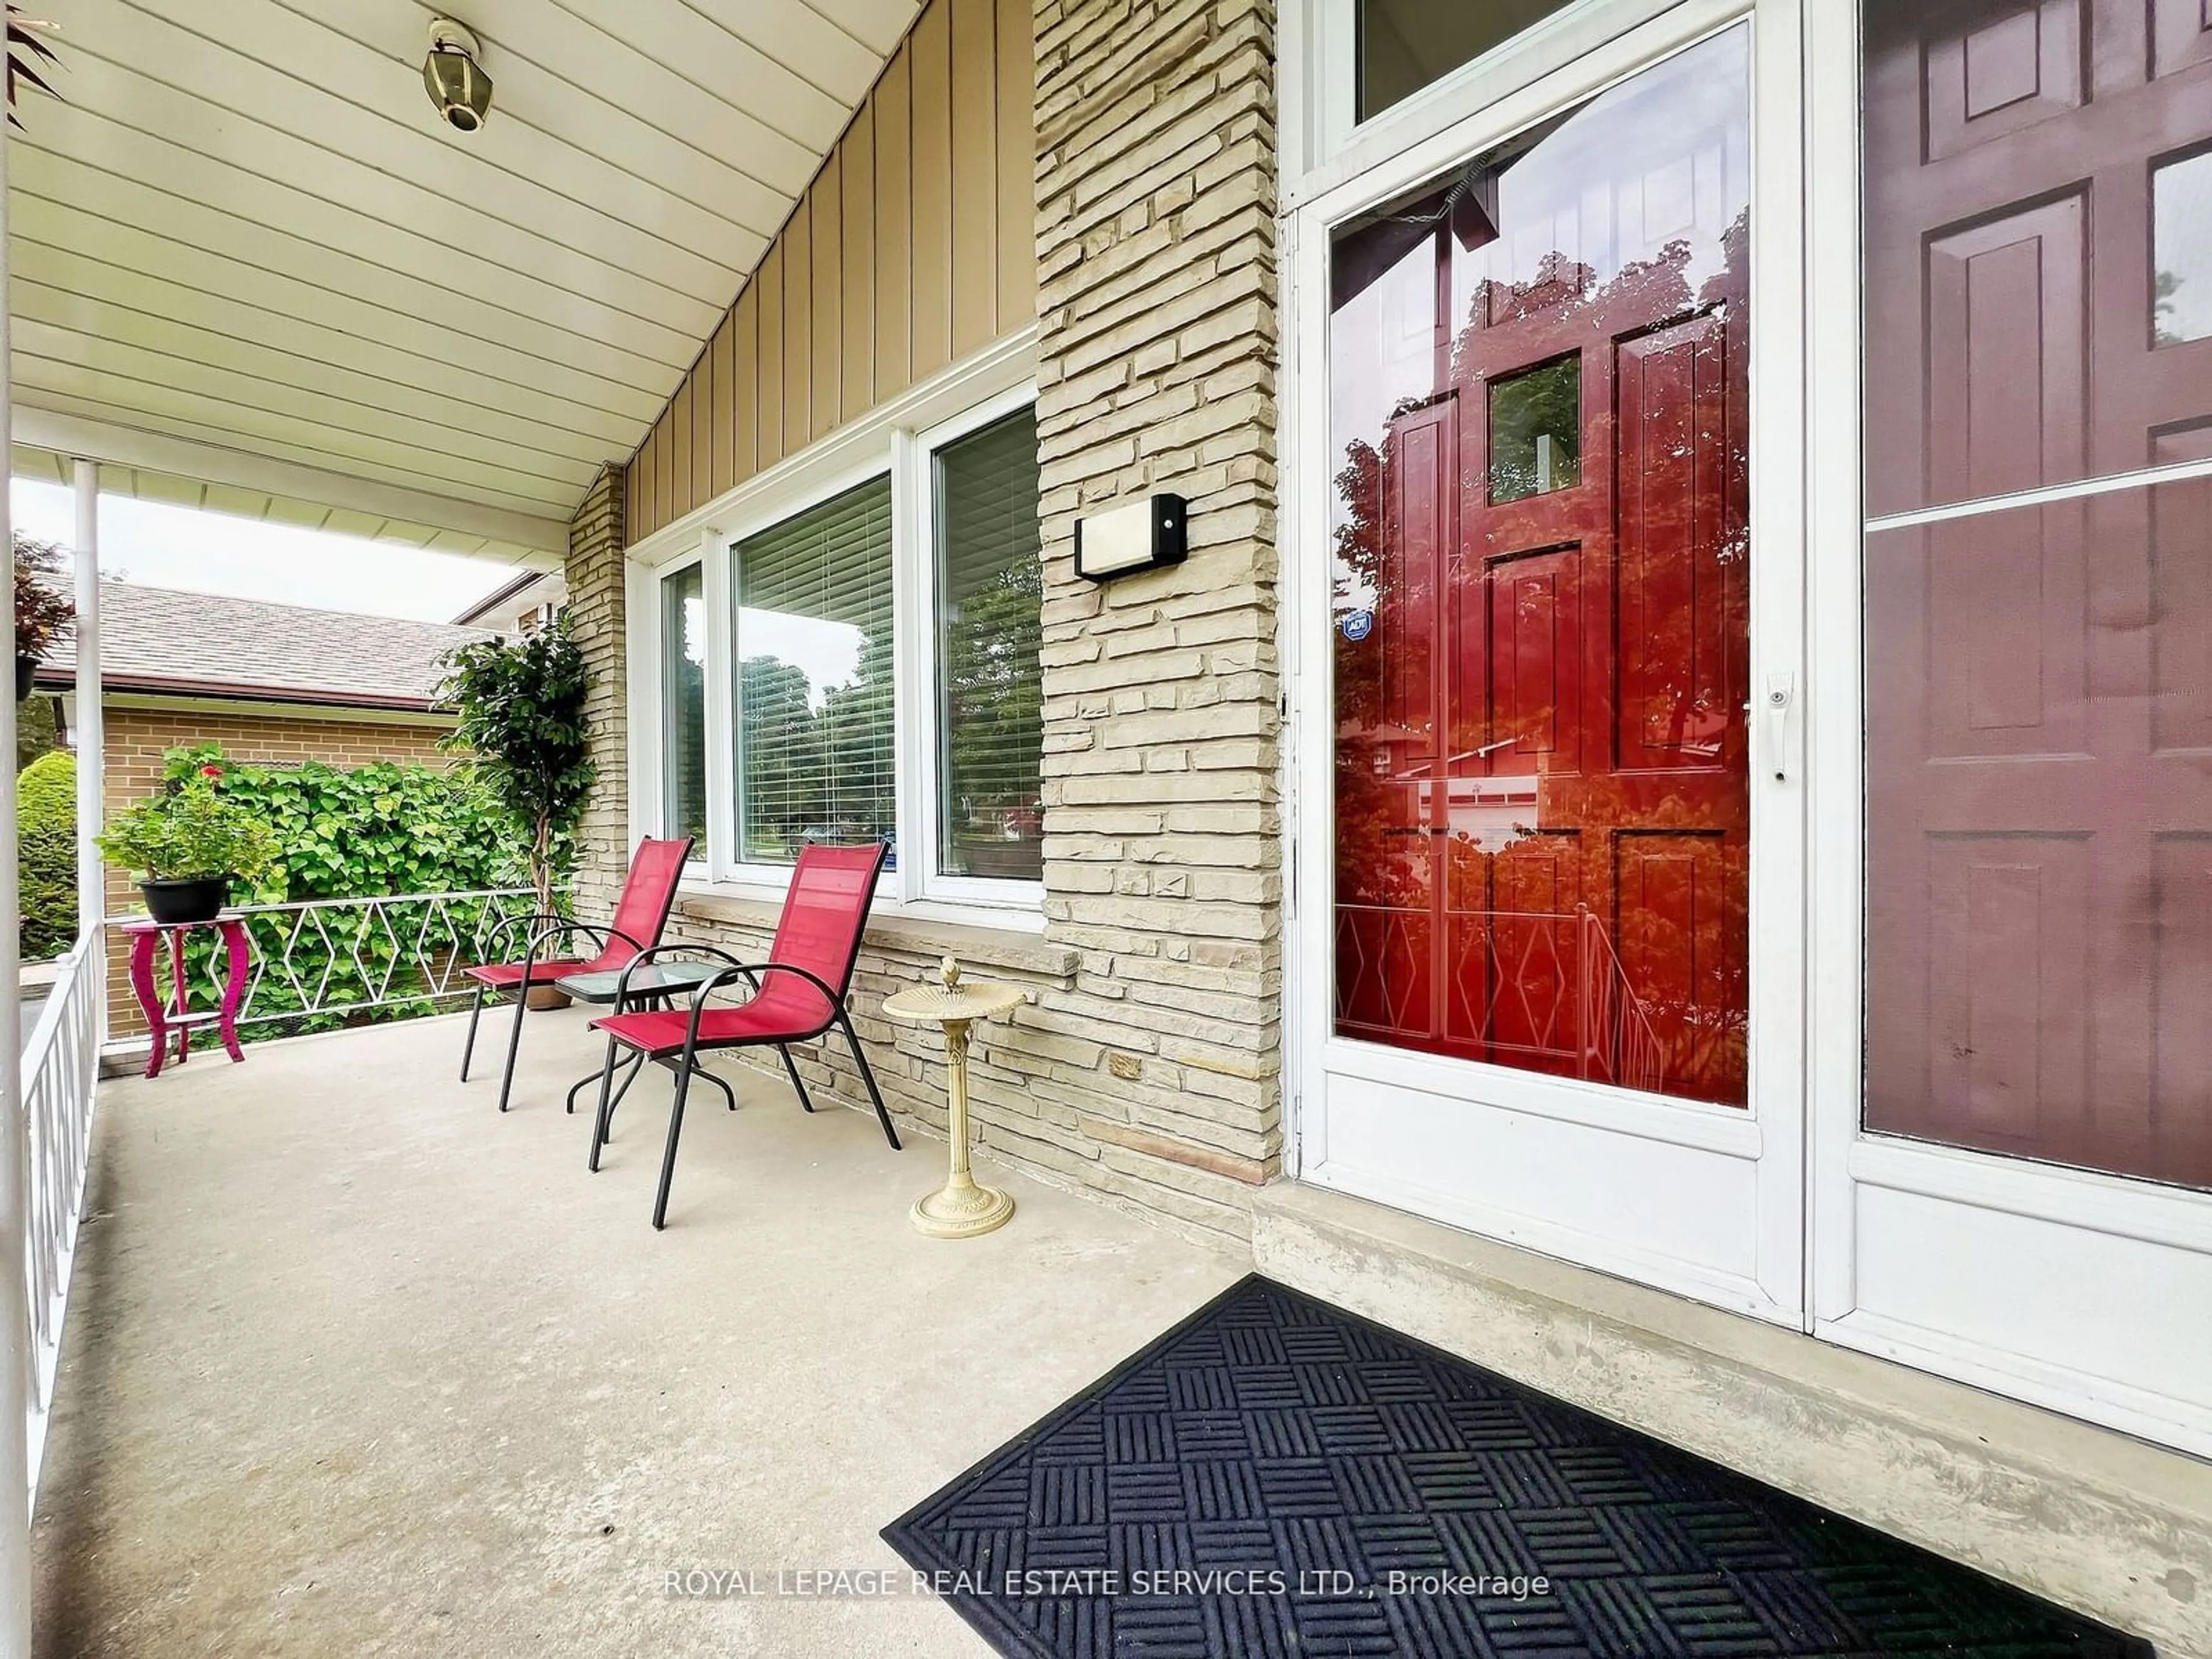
(43, 615)
(519, 704)
(187, 846)
(27, 56)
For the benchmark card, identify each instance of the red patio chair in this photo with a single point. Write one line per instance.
(798, 995)
(647, 896)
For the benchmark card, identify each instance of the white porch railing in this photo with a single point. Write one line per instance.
(61, 1065)
(343, 956)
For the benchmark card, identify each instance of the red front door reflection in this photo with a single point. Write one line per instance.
(1539, 398)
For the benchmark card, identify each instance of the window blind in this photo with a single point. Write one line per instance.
(990, 590)
(683, 706)
(814, 760)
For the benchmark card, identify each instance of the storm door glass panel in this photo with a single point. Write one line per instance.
(2181, 249)
(2040, 830)
(1538, 403)
(683, 707)
(814, 760)
(990, 592)
(1406, 44)
(2038, 241)
(2038, 767)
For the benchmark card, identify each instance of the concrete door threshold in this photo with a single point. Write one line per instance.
(2095, 1520)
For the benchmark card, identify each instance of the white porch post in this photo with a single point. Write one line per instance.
(17, 1386)
(91, 729)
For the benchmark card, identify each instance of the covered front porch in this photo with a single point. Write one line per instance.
(356, 1364)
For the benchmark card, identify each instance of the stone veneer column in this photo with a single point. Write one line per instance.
(1158, 352)
(597, 613)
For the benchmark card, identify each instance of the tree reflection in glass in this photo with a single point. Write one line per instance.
(1539, 391)
(1535, 431)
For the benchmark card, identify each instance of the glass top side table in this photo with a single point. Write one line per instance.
(656, 984)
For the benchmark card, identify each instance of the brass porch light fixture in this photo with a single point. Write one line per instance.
(455, 81)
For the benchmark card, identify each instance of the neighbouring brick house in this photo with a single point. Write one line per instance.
(529, 601)
(275, 685)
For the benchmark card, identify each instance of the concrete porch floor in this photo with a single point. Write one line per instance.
(355, 1365)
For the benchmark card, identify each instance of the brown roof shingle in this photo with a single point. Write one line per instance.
(162, 639)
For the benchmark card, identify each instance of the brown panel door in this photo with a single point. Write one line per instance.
(2039, 770)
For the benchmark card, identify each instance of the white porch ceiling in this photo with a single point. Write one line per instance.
(148, 483)
(245, 253)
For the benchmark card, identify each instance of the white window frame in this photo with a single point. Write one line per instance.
(898, 439)
(919, 548)
(779, 511)
(1322, 145)
(656, 625)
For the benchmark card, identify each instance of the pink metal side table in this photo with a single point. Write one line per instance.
(164, 1015)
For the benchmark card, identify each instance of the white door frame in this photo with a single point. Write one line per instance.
(2071, 1288)
(1711, 1199)
(2082, 1291)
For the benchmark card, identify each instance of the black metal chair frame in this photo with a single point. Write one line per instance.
(685, 1064)
(627, 1000)
(553, 927)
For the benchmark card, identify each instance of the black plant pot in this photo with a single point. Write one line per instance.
(201, 898)
(25, 668)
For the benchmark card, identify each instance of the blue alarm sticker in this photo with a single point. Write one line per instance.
(1358, 625)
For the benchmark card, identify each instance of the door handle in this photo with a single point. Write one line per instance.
(1781, 693)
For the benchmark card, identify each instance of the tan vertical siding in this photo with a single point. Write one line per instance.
(857, 212)
(893, 99)
(827, 199)
(745, 416)
(798, 326)
(680, 431)
(932, 161)
(720, 438)
(1017, 164)
(704, 393)
(769, 281)
(914, 245)
(974, 176)
(663, 469)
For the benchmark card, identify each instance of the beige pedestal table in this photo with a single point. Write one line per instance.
(959, 1209)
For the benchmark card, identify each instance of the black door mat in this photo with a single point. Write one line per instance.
(1250, 1483)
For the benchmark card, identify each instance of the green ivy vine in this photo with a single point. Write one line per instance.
(383, 830)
